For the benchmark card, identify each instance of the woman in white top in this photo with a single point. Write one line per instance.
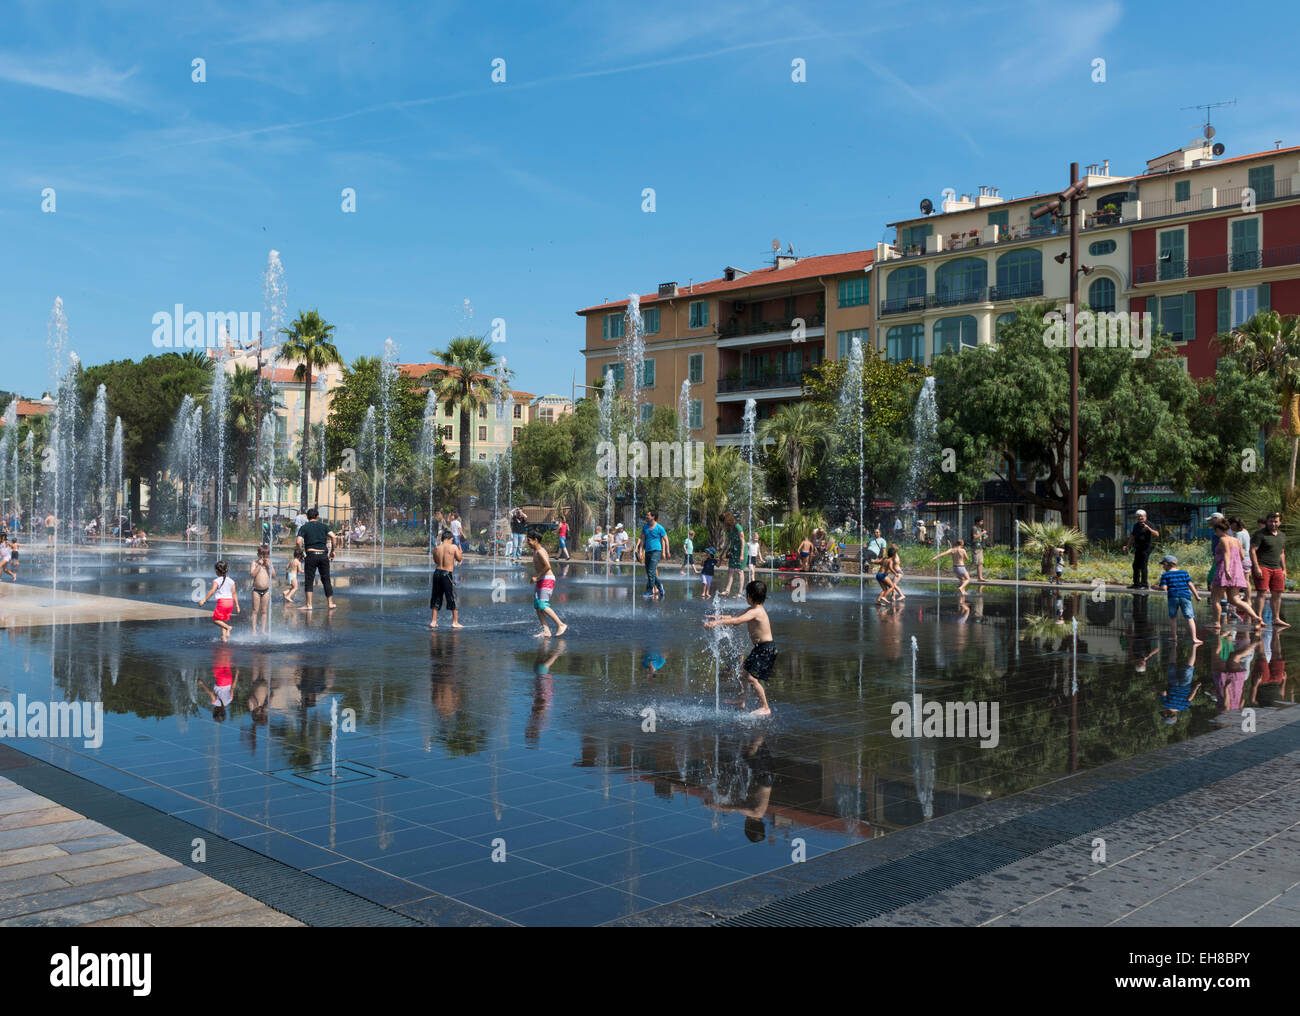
(755, 555)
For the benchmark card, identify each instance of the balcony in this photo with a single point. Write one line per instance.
(956, 298)
(1016, 291)
(977, 238)
(763, 382)
(1217, 264)
(757, 329)
(1226, 197)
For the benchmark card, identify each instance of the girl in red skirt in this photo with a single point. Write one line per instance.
(223, 588)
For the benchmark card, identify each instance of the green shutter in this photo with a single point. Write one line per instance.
(1225, 310)
(1153, 308)
(648, 374)
(1189, 317)
(1263, 296)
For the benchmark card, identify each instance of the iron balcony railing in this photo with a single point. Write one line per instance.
(1223, 197)
(733, 330)
(955, 298)
(778, 379)
(1218, 264)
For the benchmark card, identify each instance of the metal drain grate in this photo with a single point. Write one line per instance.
(341, 774)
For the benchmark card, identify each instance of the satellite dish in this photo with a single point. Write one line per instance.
(776, 245)
(1218, 148)
(927, 206)
(1209, 132)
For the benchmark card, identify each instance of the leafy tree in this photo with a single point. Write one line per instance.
(147, 395)
(888, 397)
(1009, 402)
(1268, 345)
(308, 344)
(359, 390)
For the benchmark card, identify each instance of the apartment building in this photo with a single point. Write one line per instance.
(549, 408)
(1200, 242)
(493, 429)
(744, 335)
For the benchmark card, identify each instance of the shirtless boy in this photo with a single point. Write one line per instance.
(758, 665)
(262, 572)
(805, 553)
(959, 556)
(543, 587)
(445, 558)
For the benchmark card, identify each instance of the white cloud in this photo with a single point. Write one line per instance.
(86, 77)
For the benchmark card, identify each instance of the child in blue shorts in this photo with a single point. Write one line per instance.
(1180, 587)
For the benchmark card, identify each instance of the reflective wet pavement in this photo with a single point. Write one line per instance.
(476, 745)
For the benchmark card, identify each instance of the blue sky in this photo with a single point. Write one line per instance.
(524, 198)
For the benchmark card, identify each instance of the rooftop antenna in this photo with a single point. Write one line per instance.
(1207, 130)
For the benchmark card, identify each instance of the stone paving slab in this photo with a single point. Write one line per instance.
(1228, 845)
(45, 882)
(1221, 855)
(25, 606)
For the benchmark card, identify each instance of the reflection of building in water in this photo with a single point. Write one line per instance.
(739, 771)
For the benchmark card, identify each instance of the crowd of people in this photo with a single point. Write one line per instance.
(1238, 560)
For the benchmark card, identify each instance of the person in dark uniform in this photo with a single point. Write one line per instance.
(1140, 540)
(317, 542)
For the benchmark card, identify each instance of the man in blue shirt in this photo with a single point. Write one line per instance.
(654, 539)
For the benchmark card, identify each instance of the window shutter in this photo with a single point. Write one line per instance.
(1153, 308)
(1225, 310)
(1189, 316)
(1262, 295)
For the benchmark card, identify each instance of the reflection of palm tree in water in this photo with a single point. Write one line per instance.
(745, 786)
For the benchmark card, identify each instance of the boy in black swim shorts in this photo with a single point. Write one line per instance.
(762, 658)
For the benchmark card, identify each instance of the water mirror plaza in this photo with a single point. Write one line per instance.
(646, 466)
(393, 762)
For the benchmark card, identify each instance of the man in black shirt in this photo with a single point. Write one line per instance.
(1140, 539)
(317, 543)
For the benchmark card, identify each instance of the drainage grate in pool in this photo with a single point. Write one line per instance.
(325, 776)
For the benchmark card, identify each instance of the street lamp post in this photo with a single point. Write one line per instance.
(1077, 189)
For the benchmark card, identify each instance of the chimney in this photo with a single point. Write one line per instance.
(667, 289)
(785, 261)
(1105, 167)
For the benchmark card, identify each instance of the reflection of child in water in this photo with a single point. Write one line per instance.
(755, 775)
(543, 690)
(652, 662)
(1179, 693)
(224, 680)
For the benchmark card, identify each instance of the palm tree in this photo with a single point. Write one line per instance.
(723, 469)
(241, 405)
(466, 383)
(1043, 538)
(199, 359)
(307, 343)
(797, 431)
(575, 491)
(1269, 343)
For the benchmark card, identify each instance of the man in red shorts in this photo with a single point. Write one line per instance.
(1268, 566)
